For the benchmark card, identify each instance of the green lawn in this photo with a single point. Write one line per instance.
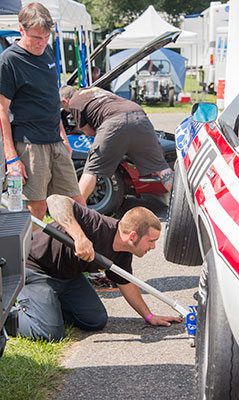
(192, 86)
(30, 370)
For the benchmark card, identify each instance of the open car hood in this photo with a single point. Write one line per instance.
(149, 48)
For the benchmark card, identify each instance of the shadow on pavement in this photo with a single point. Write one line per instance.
(174, 283)
(167, 284)
(144, 333)
(133, 382)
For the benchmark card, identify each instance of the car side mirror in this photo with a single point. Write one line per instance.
(204, 112)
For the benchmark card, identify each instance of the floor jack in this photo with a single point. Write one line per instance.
(188, 313)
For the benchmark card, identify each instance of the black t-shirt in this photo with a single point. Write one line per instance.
(94, 105)
(30, 82)
(53, 258)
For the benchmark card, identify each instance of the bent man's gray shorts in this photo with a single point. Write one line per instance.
(130, 134)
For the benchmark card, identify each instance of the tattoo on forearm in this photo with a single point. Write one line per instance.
(167, 180)
(61, 210)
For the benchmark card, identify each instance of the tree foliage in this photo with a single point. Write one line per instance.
(177, 7)
(109, 14)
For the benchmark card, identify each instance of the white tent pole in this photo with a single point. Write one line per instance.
(197, 79)
(92, 46)
(197, 66)
(63, 62)
(191, 70)
(88, 56)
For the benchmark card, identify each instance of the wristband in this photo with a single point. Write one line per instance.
(12, 161)
(149, 317)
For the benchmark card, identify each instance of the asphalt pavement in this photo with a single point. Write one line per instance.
(167, 121)
(130, 359)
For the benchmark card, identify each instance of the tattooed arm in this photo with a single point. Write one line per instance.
(61, 210)
(166, 177)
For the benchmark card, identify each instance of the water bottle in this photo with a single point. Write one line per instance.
(14, 190)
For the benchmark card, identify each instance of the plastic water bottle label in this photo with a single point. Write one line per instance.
(15, 184)
(15, 190)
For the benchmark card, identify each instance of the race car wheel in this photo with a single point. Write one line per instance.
(171, 97)
(181, 242)
(108, 194)
(217, 353)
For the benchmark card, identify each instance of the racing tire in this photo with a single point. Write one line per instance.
(108, 194)
(171, 97)
(217, 353)
(181, 241)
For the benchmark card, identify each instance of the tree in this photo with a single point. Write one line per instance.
(177, 7)
(109, 14)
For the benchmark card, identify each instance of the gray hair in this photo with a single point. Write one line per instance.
(35, 14)
(66, 92)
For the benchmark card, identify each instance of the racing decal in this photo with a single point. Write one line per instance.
(225, 149)
(212, 170)
(201, 162)
(80, 143)
(187, 161)
(185, 134)
(223, 212)
(226, 247)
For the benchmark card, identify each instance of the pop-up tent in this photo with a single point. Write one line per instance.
(10, 6)
(68, 14)
(147, 27)
(121, 85)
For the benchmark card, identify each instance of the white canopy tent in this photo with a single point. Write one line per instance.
(147, 27)
(66, 13)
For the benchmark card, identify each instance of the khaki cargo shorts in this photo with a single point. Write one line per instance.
(50, 170)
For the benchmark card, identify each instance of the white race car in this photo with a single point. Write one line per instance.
(203, 228)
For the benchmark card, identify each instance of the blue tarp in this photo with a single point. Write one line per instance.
(178, 69)
(9, 33)
(10, 6)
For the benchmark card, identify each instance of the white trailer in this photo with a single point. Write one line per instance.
(212, 45)
(221, 54)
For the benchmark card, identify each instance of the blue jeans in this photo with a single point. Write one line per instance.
(47, 303)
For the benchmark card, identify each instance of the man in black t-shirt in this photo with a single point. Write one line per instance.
(120, 127)
(34, 138)
(56, 290)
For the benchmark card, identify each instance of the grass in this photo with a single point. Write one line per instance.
(30, 370)
(192, 86)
